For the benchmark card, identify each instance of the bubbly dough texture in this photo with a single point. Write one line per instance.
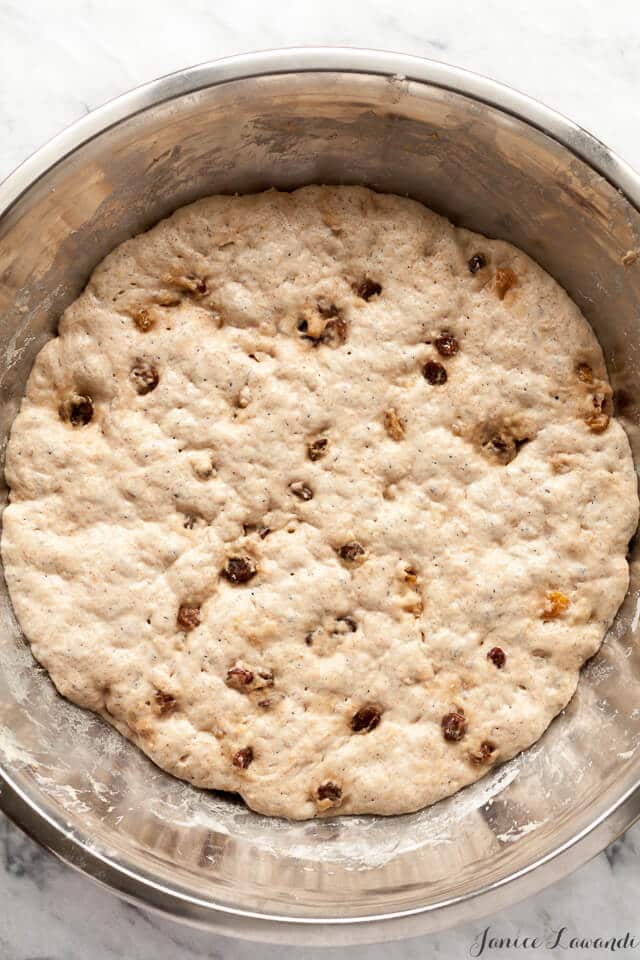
(317, 498)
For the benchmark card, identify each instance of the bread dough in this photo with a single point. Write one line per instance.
(318, 499)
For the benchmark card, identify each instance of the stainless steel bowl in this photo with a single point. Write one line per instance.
(490, 159)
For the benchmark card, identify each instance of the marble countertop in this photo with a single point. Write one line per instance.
(59, 61)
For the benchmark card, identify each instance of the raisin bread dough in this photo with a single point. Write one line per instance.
(318, 499)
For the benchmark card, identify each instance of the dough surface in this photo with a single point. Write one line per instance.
(318, 499)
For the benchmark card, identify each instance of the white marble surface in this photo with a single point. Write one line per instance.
(60, 60)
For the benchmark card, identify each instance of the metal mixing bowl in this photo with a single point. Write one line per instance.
(489, 158)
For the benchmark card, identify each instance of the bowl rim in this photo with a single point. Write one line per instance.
(131, 883)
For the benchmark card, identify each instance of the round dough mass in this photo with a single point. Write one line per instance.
(319, 499)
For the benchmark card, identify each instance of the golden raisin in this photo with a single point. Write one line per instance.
(598, 422)
(555, 604)
(143, 320)
(504, 280)
(393, 425)
(584, 373)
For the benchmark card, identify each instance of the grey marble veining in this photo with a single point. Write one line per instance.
(58, 61)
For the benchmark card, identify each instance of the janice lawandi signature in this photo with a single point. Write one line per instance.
(488, 943)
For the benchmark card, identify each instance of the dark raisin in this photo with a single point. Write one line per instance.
(485, 751)
(201, 286)
(454, 726)
(329, 791)
(165, 702)
(301, 490)
(189, 521)
(238, 678)
(446, 344)
(317, 448)
(349, 623)
(188, 616)
(265, 704)
(242, 758)
(367, 288)
(366, 718)
(303, 326)
(477, 262)
(309, 639)
(351, 552)
(239, 569)
(144, 377)
(434, 373)
(264, 532)
(497, 657)
(77, 410)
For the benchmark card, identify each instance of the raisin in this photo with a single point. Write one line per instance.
(143, 320)
(189, 521)
(446, 344)
(497, 656)
(477, 262)
(555, 604)
(264, 532)
(188, 617)
(242, 758)
(366, 718)
(329, 791)
(317, 448)
(301, 490)
(165, 702)
(454, 726)
(501, 447)
(485, 751)
(189, 283)
(504, 280)
(348, 623)
(584, 373)
(434, 373)
(335, 332)
(239, 569)
(598, 422)
(144, 377)
(393, 425)
(366, 288)
(351, 552)
(239, 678)
(309, 639)
(77, 410)
(302, 326)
